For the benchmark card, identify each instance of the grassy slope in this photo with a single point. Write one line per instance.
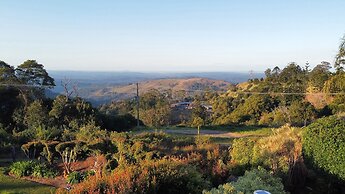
(18, 186)
(165, 84)
(250, 131)
(244, 130)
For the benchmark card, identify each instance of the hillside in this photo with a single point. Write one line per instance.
(190, 85)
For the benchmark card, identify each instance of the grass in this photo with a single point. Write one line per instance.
(244, 130)
(10, 185)
(257, 132)
(222, 140)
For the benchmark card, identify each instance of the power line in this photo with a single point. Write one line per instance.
(290, 93)
(136, 91)
(26, 85)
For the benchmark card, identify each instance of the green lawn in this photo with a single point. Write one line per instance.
(244, 130)
(11, 185)
(265, 131)
(222, 140)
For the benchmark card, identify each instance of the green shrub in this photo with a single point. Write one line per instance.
(42, 170)
(242, 151)
(175, 177)
(162, 176)
(22, 168)
(201, 141)
(280, 150)
(277, 151)
(324, 145)
(257, 179)
(37, 171)
(227, 188)
(77, 177)
(31, 168)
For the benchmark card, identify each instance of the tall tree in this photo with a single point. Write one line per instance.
(340, 57)
(7, 73)
(155, 108)
(268, 73)
(199, 114)
(30, 73)
(36, 115)
(8, 95)
(319, 75)
(72, 113)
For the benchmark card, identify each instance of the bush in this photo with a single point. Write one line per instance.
(118, 123)
(77, 177)
(257, 179)
(31, 168)
(22, 168)
(163, 176)
(42, 170)
(201, 141)
(241, 155)
(175, 177)
(242, 151)
(227, 188)
(277, 151)
(324, 145)
(280, 150)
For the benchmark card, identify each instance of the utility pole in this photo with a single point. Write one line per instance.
(251, 74)
(138, 123)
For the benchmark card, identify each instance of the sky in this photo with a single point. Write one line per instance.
(170, 35)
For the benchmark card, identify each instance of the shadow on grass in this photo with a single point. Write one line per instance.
(13, 185)
(235, 128)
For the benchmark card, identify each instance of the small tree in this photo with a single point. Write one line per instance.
(44, 148)
(69, 153)
(36, 115)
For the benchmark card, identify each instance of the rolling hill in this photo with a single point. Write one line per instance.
(103, 87)
(189, 85)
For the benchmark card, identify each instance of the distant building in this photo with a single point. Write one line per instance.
(207, 107)
(189, 106)
(181, 105)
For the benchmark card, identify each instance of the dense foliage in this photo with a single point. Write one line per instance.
(66, 131)
(256, 179)
(77, 177)
(164, 176)
(324, 145)
(32, 168)
(278, 151)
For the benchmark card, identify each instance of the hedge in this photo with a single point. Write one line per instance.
(324, 145)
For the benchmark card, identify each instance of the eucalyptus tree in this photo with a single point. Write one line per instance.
(340, 57)
(7, 73)
(32, 78)
(8, 100)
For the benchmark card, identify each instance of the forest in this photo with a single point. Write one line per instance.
(290, 126)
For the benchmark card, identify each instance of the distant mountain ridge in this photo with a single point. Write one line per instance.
(187, 84)
(190, 85)
(103, 87)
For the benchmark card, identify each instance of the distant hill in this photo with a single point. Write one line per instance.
(128, 77)
(190, 85)
(102, 87)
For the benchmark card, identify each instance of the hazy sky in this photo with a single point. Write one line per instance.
(170, 35)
